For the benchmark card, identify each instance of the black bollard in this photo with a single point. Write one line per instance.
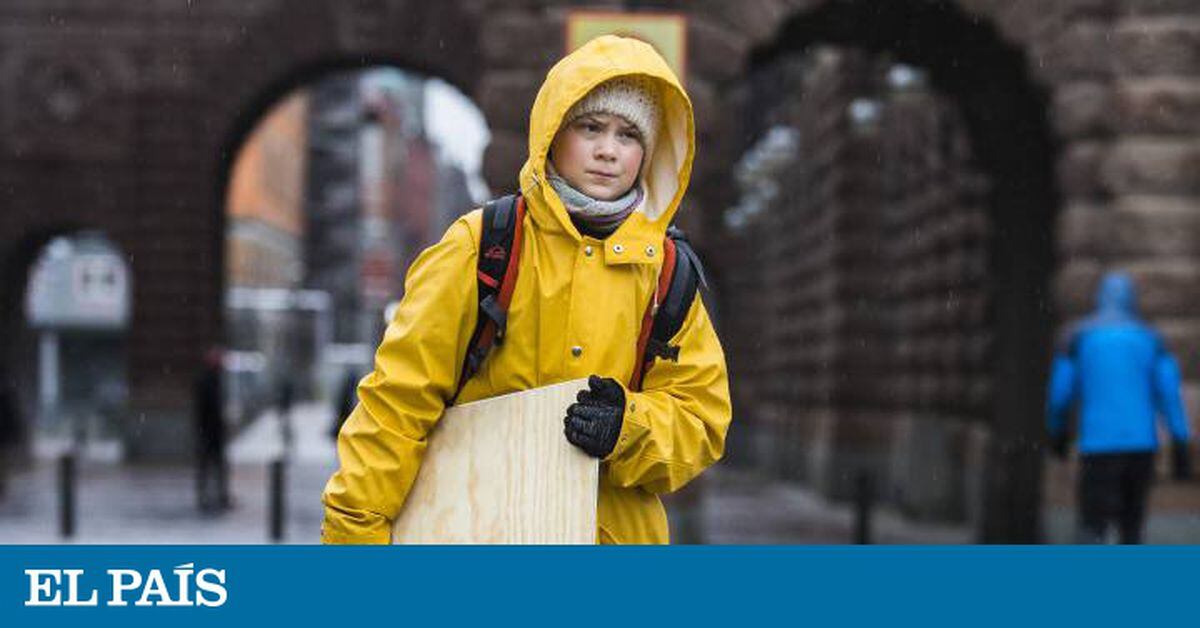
(275, 514)
(864, 495)
(66, 493)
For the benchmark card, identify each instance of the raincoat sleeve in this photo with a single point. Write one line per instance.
(1167, 382)
(416, 369)
(675, 427)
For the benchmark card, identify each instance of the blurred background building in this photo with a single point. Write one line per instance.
(334, 193)
(898, 202)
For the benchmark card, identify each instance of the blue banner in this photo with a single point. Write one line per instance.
(401, 586)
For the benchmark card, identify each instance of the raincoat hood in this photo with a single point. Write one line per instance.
(1117, 295)
(665, 172)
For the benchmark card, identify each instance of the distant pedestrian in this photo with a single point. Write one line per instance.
(1120, 374)
(212, 469)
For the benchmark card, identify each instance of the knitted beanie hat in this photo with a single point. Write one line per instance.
(631, 97)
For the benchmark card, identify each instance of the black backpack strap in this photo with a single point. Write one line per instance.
(683, 245)
(496, 269)
(687, 276)
(673, 309)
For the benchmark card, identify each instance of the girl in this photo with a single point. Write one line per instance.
(611, 145)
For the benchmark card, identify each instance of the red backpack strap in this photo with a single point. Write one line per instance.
(496, 273)
(679, 281)
(660, 292)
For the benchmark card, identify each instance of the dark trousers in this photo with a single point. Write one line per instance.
(1113, 488)
(212, 479)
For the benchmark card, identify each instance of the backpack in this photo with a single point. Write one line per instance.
(679, 280)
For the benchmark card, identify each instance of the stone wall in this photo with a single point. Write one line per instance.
(869, 286)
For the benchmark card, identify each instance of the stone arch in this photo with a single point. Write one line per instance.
(179, 262)
(295, 44)
(1007, 113)
(274, 59)
(18, 262)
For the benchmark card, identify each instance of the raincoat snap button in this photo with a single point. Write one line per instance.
(617, 248)
(587, 250)
(650, 251)
(577, 351)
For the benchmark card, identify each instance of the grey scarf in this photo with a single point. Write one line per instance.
(600, 217)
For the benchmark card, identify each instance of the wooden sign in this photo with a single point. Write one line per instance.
(500, 471)
(667, 32)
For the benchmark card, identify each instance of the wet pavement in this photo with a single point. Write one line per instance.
(126, 504)
(738, 507)
(120, 504)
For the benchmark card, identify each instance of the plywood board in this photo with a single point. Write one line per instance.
(500, 471)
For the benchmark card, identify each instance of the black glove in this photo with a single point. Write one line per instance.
(1181, 461)
(594, 423)
(1058, 445)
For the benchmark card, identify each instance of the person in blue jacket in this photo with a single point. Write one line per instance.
(1119, 373)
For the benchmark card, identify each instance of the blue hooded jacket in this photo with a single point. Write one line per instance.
(1121, 374)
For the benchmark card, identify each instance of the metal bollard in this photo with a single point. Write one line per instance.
(864, 496)
(275, 514)
(66, 493)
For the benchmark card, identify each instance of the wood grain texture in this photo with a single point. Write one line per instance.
(499, 471)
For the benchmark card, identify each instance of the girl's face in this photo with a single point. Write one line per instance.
(599, 154)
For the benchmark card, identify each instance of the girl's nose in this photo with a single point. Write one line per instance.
(606, 149)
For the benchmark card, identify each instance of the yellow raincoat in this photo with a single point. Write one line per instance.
(576, 310)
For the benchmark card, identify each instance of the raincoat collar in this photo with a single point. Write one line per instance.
(665, 173)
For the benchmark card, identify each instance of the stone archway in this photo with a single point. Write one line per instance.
(178, 308)
(1006, 113)
(20, 342)
(1108, 86)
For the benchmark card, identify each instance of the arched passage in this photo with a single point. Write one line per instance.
(334, 190)
(68, 329)
(1004, 115)
(187, 149)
